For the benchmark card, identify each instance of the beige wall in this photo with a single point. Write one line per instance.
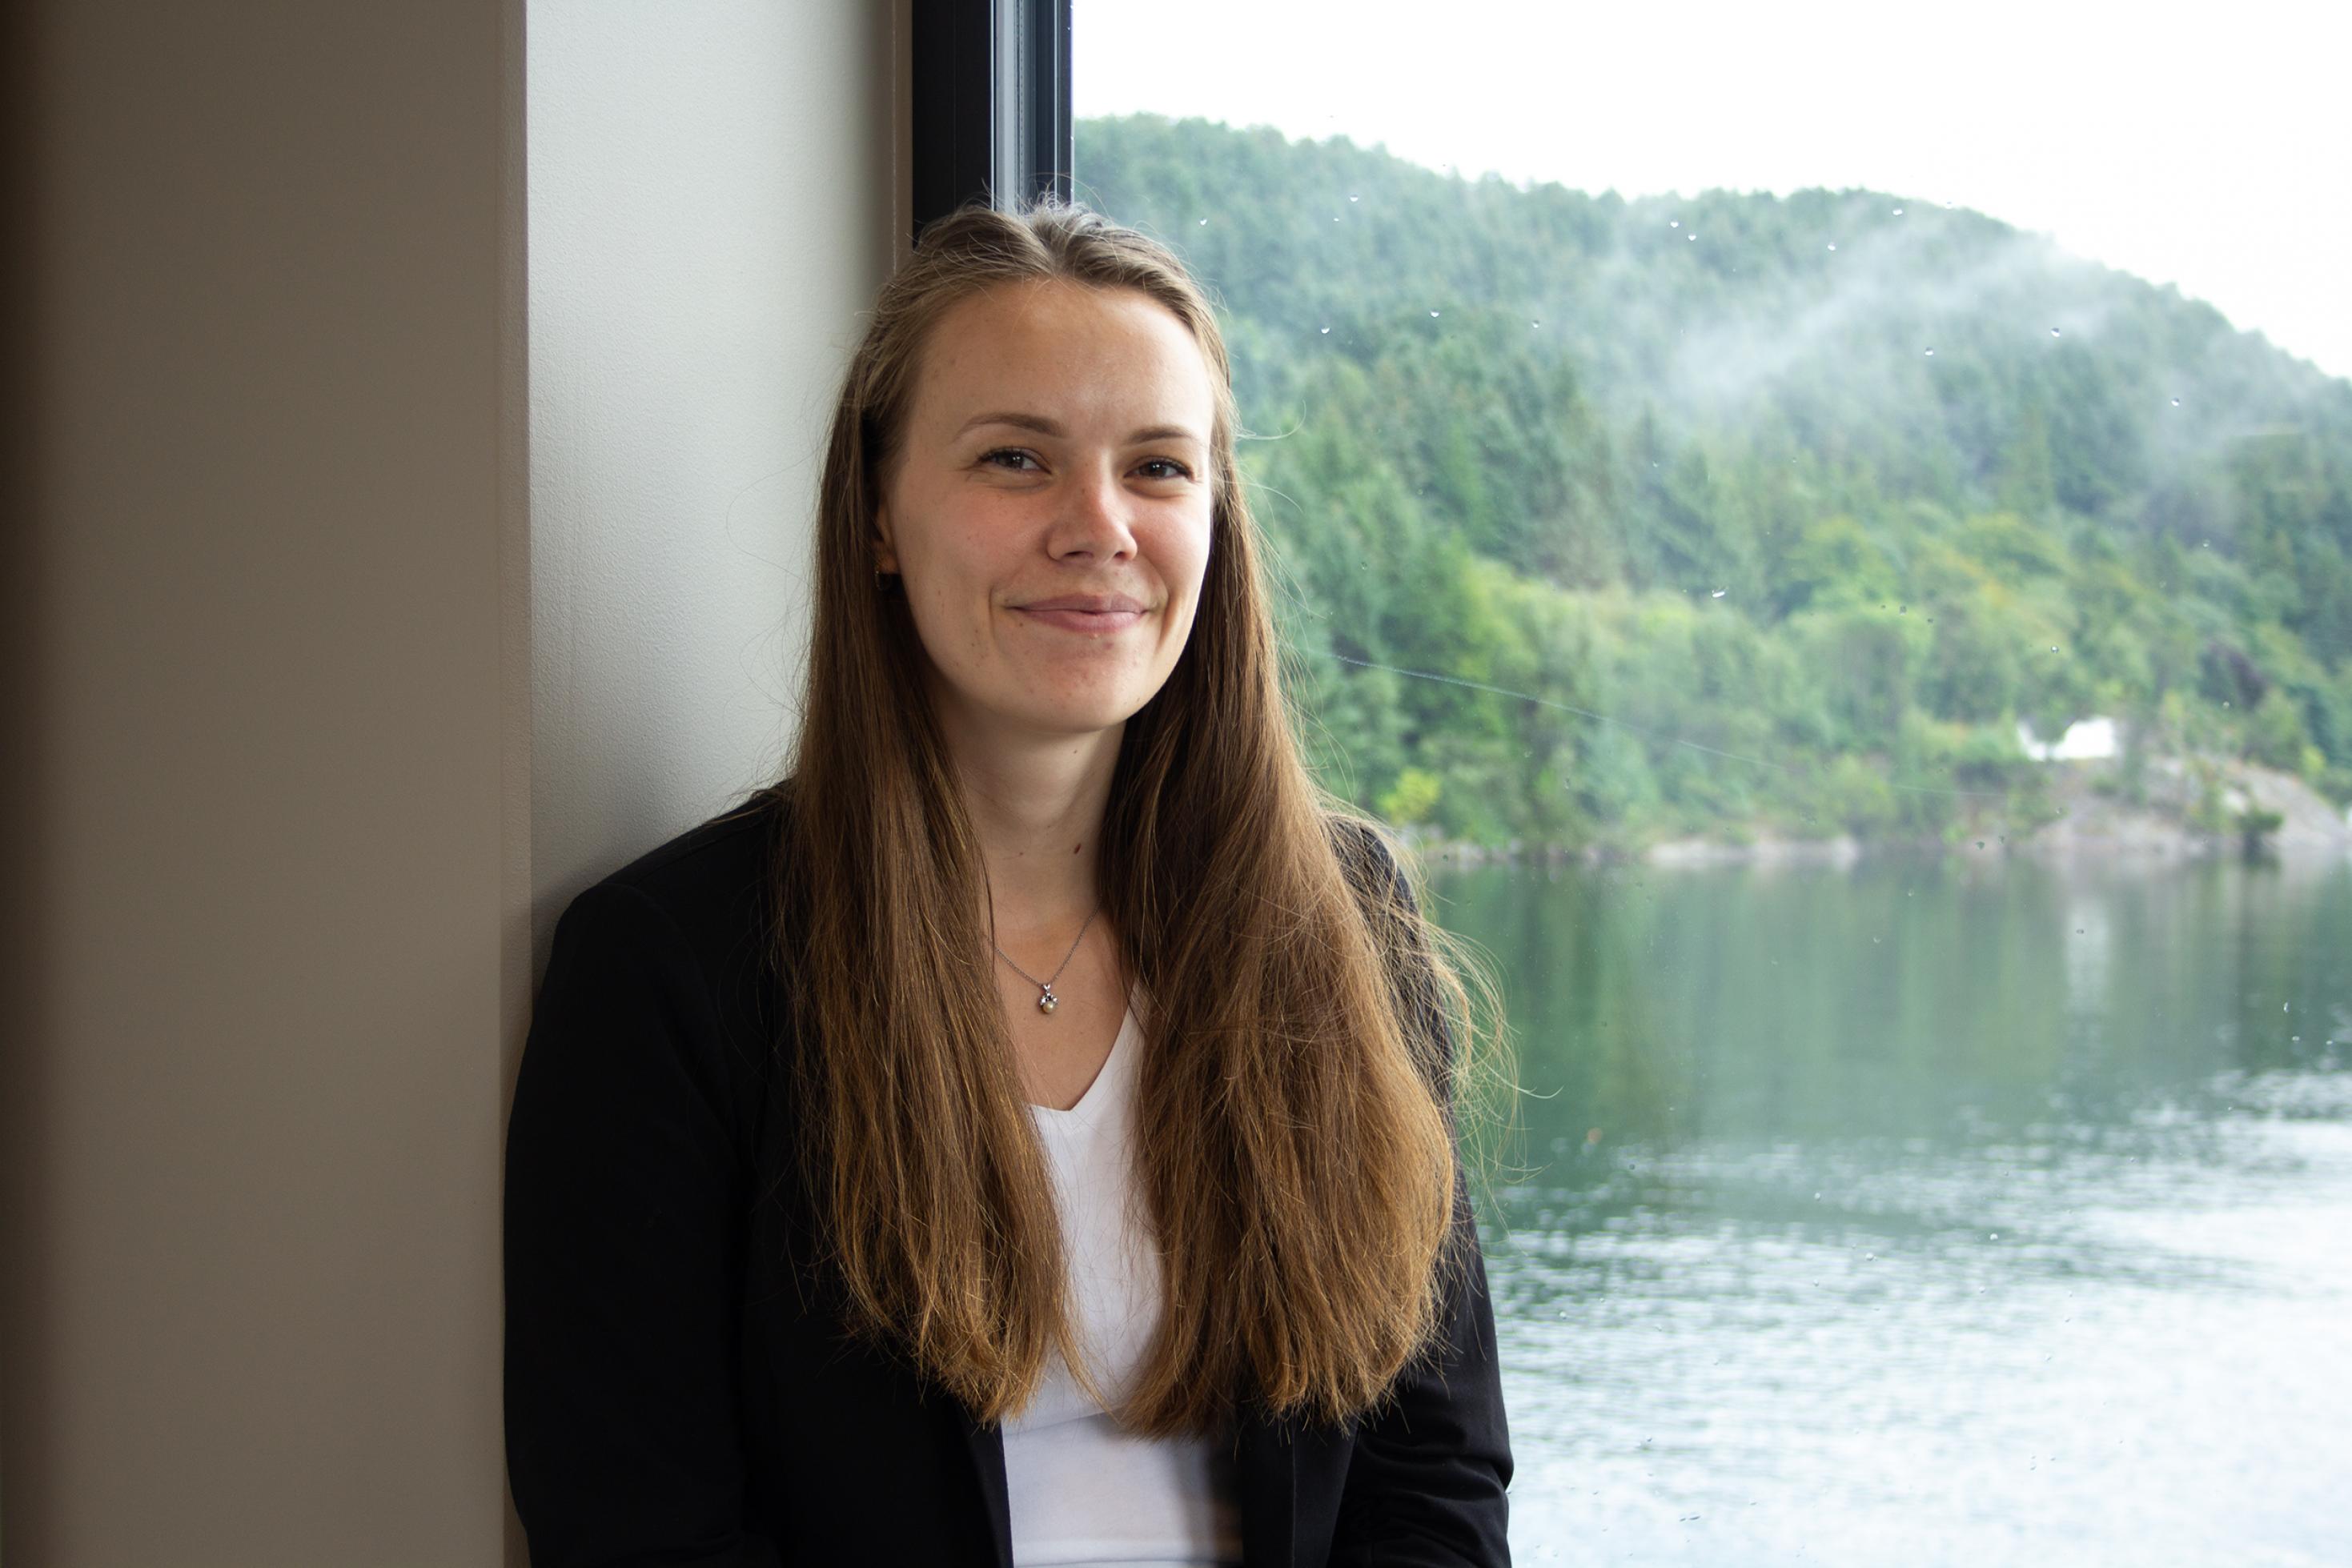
(278, 761)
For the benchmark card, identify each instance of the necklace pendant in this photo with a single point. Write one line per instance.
(1046, 1000)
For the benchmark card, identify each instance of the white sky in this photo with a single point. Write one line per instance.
(2207, 146)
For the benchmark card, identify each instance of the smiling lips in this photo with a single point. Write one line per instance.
(1085, 612)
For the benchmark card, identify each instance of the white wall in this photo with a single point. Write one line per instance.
(714, 202)
(356, 603)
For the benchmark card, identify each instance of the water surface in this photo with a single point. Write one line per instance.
(1926, 1212)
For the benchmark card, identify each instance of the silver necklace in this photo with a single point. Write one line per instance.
(1046, 1000)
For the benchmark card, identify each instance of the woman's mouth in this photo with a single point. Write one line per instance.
(1086, 619)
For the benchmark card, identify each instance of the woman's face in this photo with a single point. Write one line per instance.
(1057, 454)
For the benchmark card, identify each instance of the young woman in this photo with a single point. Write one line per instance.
(1024, 1134)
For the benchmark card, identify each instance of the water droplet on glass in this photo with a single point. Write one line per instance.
(1535, 323)
(2175, 402)
(1720, 593)
(2054, 331)
(1327, 330)
(1433, 313)
(1931, 353)
(2053, 647)
(1673, 222)
(1204, 223)
(1693, 238)
(1833, 245)
(1355, 198)
(1996, 1236)
(1898, 212)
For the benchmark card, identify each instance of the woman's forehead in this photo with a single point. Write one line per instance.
(1065, 353)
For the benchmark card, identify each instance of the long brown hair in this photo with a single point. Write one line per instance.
(1296, 1160)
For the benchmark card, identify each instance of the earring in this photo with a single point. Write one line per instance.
(882, 579)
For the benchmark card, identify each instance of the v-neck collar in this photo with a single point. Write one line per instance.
(1117, 1066)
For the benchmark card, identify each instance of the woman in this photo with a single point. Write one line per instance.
(1024, 1135)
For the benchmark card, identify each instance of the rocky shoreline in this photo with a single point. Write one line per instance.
(2093, 822)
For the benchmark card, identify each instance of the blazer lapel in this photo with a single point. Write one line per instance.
(987, 1443)
(1266, 1472)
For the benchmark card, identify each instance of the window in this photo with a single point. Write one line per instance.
(1782, 515)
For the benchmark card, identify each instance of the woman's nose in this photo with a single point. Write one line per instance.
(1097, 515)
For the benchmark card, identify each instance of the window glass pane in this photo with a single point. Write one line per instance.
(1833, 525)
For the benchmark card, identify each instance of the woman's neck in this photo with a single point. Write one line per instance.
(1037, 811)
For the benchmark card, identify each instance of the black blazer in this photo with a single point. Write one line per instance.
(678, 1390)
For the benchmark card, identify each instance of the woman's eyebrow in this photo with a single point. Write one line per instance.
(1043, 426)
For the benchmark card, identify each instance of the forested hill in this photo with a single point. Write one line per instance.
(1843, 484)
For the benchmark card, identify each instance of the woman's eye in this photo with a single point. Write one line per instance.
(1174, 470)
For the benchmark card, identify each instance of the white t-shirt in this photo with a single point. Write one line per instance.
(1083, 1493)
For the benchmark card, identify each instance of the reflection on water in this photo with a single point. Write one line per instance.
(1926, 1212)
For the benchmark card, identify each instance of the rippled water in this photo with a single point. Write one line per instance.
(1928, 1213)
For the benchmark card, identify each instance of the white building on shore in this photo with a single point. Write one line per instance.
(2095, 739)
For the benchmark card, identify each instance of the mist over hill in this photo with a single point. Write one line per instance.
(1842, 484)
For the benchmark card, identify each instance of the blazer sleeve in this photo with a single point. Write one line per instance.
(1426, 1483)
(622, 1253)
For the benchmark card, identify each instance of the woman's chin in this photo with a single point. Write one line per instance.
(1076, 718)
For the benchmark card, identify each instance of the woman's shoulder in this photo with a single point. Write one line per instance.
(729, 841)
(713, 881)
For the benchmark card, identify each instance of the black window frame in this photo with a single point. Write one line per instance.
(990, 104)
